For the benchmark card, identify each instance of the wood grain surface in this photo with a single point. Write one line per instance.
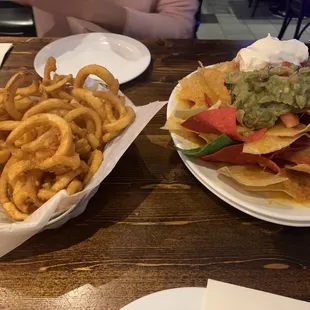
(152, 225)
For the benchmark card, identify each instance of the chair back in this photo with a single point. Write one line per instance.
(16, 20)
(198, 15)
(300, 6)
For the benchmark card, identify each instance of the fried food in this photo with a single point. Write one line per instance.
(55, 140)
(100, 72)
(11, 90)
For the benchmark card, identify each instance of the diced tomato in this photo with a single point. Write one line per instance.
(285, 74)
(293, 78)
(287, 64)
(290, 120)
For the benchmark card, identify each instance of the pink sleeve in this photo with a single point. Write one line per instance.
(173, 19)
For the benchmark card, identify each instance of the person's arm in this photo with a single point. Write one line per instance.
(172, 19)
(104, 13)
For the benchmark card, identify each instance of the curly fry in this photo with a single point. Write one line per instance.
(62, 95)
(66, 161)
(109, 136)
(4, 156)
(25, 198)
(47, 106)
(45, 194)
(50, 67)
(94, 163)
(76, 104)
(66, 143)
(62, 181)
(9, 125)
(10, 91)
(43, 154)
(54, 87)
(114, 100)
(44, 96)
(92, 101)
(109, 112)
(19, 168)
(9, 207)
(83, 133)
(121, 123)
(75, 186)
(24, 91)
(46, 140)
(26, 138)
(23, 103)
(83, 151)
(100, 72)
(87, 113)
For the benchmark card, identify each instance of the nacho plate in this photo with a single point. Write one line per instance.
(260, 205)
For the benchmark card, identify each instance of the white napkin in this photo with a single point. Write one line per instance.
(222, 296)
(4, 48)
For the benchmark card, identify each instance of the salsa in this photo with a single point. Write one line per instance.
(266, 94)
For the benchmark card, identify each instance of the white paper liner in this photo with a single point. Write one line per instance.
(4, 48)
(12, 234)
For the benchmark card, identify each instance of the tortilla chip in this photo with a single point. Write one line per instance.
(221, 120)
(297, 186)
(269, 144)
(297, 156)
(173, 124)
(209, 137)
(193, 88)
(192, 139)
(187, 113)
(227, 66)
(281, 130)
(233, 155)
(251, 176)
(216, 80)
(301, 167)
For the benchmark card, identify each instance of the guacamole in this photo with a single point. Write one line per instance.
(266, 94)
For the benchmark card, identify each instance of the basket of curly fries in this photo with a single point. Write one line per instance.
(60, 139)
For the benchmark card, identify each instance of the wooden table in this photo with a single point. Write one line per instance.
(152, 225)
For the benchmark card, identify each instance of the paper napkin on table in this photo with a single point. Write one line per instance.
(4, 48)
(224, 296)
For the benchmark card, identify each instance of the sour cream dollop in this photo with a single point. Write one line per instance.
(271, 50)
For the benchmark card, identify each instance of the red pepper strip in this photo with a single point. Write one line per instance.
(219, 121)
(208, 100)
(233, 155)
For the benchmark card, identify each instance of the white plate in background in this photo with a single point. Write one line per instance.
(125, 57)
(185, 298)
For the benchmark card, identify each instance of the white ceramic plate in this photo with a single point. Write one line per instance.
(187, 298)
(255, 204)
(125, 57)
